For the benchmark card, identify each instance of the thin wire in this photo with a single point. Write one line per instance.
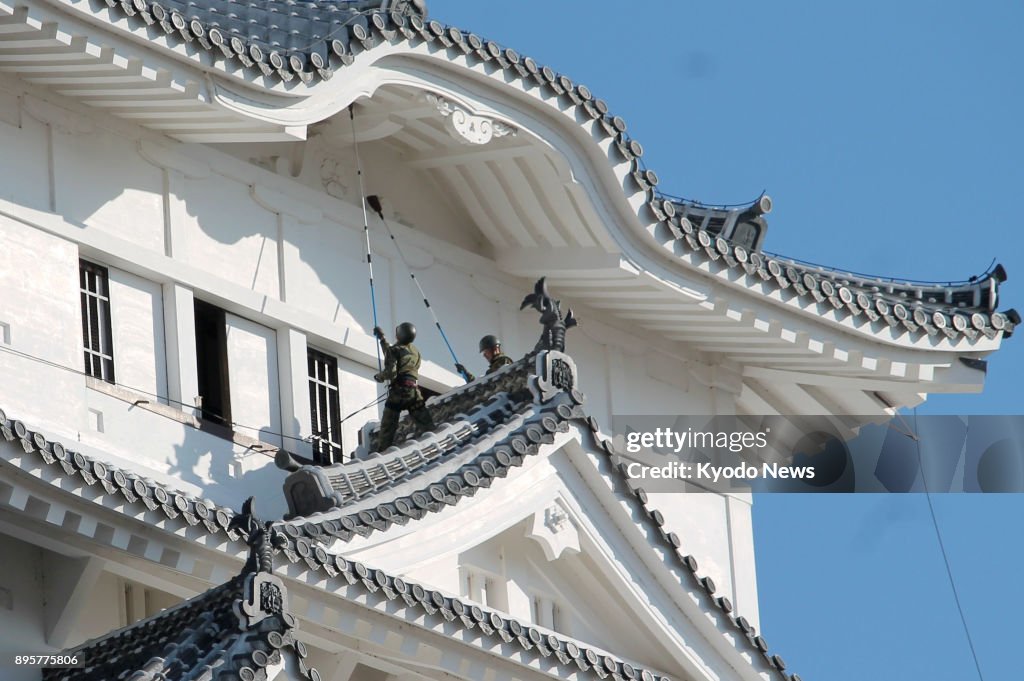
(371, 404)
(423, 295)
(170, 400)
(366, 225)
(942, 549)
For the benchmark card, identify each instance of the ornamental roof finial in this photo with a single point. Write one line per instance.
(555, 325)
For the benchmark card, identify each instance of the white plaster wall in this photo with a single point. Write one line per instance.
(137, 324)
(40, 311)
(22, 623)
(702, 522)
(229, 235)
(464, 313)
(253, 377)
(327, 274)
(179, 455)
(102, 614)
(416, 199)
(24, 161)
(101, 181)
(233, 246)
(357, 390)
(589, 608)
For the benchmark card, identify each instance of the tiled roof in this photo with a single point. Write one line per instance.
(305, 541)
(285, 39)
(502, 436)
(232, 632)
(469, 419)
(476, 465)
(129, 485)
(506, 416)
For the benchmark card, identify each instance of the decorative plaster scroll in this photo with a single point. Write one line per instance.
(466, 127)
(554, 530)
(164, 157)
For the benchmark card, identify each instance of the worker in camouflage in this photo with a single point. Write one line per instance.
(402, 370)
(490, 347)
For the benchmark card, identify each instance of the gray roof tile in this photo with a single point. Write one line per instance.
(231, 632)
(554, 404)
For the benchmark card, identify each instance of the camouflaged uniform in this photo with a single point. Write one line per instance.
(499, 360)
(402, 369)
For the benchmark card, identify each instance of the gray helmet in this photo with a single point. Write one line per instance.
(405, 332)
(489, 342)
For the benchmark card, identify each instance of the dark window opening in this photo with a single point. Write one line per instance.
(97, 340)
(212, 364)
(325, 407)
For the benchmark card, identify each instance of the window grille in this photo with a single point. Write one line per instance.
(324, 407)
(98, 345)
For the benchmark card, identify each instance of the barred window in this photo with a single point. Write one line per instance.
(325, 407)
(98, 346)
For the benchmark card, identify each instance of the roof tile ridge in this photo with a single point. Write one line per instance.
(539, 428)
(492, 623)
(134, 488)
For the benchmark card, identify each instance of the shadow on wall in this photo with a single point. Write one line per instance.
(226, 474)
(218, 226)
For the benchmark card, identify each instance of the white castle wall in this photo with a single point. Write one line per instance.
(285, 259)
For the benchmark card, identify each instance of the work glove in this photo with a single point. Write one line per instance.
(378, 332)
(464, 372)
(380, 377)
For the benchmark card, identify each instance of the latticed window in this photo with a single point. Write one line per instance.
(98, 345)
(324, 407)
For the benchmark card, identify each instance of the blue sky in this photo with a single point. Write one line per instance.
(888, 134)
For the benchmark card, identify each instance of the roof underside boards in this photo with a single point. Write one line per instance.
(289, 47)
(307, 539)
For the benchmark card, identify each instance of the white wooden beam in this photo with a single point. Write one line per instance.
(488, 187)
(526, 199)
(462, 155)
(455, 183)
(584, 262)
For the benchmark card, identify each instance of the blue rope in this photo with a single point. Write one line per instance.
(454, 358)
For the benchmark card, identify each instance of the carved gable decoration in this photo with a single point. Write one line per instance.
(466, 127)
(554, 530)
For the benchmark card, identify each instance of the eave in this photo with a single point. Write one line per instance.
(628, 249)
